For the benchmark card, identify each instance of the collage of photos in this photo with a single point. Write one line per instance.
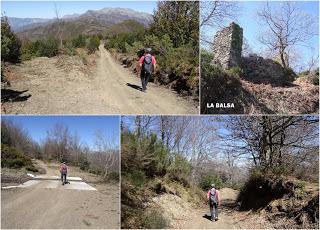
(159, 114)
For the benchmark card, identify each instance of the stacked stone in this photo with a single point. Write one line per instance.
(227, 46)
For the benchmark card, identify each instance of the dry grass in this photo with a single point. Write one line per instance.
(299, 98)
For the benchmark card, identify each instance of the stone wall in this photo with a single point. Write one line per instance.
(227, 46)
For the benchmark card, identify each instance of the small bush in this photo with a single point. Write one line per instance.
(113, 176)
(93, 44)
(205, 182)
(95, 170)
(69, 48)
(84, 164)
(79, 42)
(155, 220)
(236, 71)
(179, 170)
(48, 48)
(137, 178)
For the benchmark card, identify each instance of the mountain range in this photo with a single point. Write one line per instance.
(90, 22)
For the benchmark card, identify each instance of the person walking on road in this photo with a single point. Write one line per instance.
(147, 65)
(213, 197)
(64, 172)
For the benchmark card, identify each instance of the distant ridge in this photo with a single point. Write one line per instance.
(90, 22)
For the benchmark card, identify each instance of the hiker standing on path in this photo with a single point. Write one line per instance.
(147, 65)
(64, 172)
(213, 197)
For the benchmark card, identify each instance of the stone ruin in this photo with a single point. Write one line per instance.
(227, 46)
(227, 49)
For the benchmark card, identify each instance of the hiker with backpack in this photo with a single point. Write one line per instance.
(64, 172)
(213, 197)
(147, 65)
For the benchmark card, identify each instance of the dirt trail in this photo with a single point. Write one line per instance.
(60, 85)
(38, 207)
(183, 215)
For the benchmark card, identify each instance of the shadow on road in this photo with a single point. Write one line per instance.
(206, 216)
(13, 95)
(134, 86)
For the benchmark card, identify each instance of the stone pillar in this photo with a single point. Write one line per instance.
(227, 46)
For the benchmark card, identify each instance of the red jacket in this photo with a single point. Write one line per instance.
(152, 58)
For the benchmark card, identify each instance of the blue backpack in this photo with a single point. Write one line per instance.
(147, 64)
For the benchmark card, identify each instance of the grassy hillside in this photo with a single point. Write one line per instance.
(127, 26)
(70, 29)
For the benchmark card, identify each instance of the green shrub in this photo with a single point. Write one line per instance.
(29, 50)
(69, 48)
(137, 178)
(179, 170)
(206, 57)
(206, 181)
(48, 48)
(40, 48)
(79, 42)
(113, 176)
(155, 220)
(236, 71)
(10, 43)
(95, 170)
(84, 164)
(92, 44)
(12, 158)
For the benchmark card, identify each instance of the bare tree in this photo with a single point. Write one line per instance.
(59, 23)
(107, 156)
(270, 141)
(313, 63)
(287, 26)
(215, 14)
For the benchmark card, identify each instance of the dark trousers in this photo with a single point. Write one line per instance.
(63, 178)
(145, 77)
(213, 210)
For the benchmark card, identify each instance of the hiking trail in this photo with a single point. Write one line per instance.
(43, 203)
(58, 85)
(184, 215)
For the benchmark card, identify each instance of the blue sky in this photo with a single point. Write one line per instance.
(45, 9)
(84, 126)
(251, 27)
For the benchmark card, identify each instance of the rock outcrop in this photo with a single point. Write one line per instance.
(260, 70)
